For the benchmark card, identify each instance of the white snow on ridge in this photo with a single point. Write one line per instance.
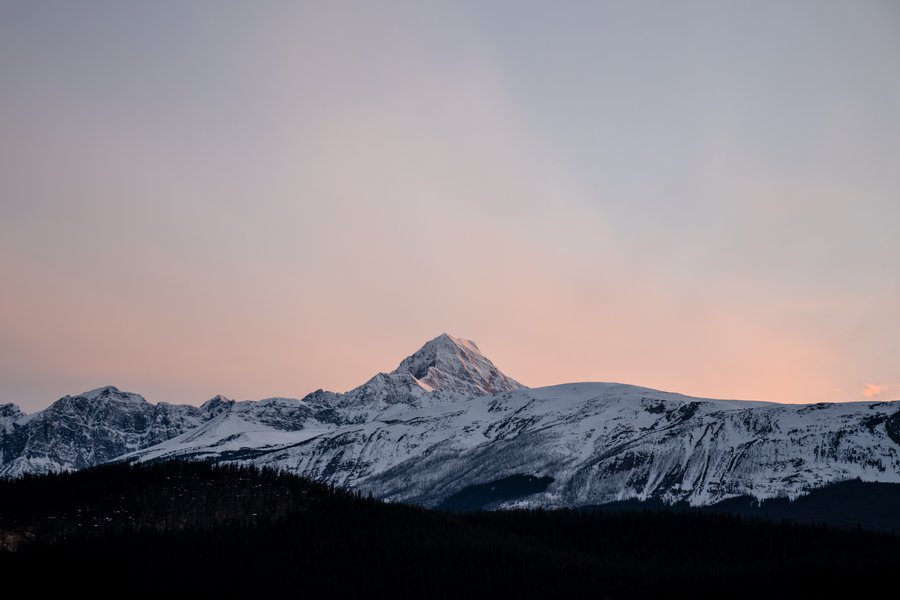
(600, 442)
(447, 418)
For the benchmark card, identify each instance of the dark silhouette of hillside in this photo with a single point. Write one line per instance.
(167, 496)
(194, 528)
(846, 504)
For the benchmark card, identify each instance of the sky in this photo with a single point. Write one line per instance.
(265, 198)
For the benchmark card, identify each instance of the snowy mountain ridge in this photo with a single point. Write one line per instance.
(447, 419)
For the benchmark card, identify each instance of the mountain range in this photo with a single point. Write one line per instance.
(447, 422)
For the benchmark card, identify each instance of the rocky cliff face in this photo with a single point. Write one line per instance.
(89, 429)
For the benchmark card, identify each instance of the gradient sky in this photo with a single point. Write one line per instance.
(265, 198)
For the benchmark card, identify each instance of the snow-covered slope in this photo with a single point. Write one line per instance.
(447, 419)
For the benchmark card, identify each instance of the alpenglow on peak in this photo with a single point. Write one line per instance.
(456, 364)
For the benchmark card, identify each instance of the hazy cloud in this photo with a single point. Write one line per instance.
(872, 390)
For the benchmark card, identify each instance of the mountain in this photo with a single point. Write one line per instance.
(457, 365)
(447, 421)
(88, 429)
(443, 371)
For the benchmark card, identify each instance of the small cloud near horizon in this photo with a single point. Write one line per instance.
(872, 390)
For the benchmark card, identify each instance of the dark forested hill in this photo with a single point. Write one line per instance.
(195, 528)
(846, 505)
(163, 497)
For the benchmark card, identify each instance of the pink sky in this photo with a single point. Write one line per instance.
(256, 203)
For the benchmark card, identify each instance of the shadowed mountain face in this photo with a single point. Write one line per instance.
(88, 429)
(447, 420)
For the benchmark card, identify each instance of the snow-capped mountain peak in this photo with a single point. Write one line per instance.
(216, 405)
(457, 365)
(87, 429)
(110, 392)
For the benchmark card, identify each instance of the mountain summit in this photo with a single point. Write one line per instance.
(446, 369)
(456, 364)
